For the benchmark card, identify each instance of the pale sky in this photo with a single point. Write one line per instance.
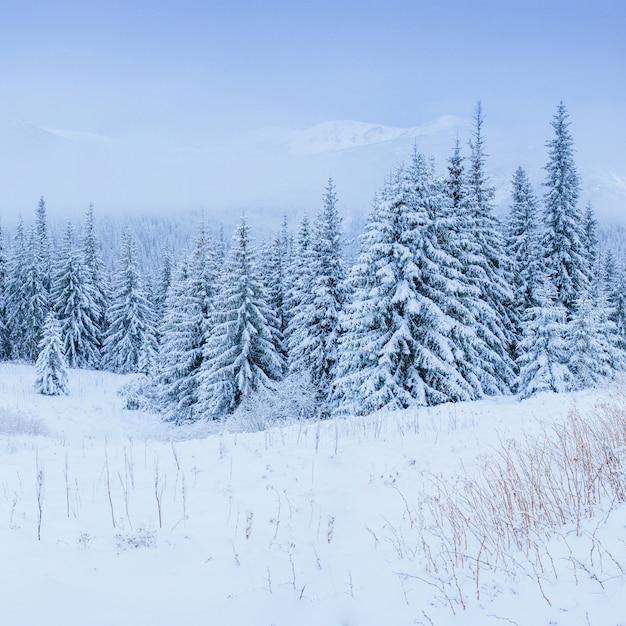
(128, 82)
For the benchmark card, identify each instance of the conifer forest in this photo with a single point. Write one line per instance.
(444, 301)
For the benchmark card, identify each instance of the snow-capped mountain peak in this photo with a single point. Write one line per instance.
(340, 135)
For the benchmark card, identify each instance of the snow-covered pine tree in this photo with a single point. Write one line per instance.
(318, 314)
(162, 285)
(298, 293)
(543, 353)
(591, 244)
(76, 310)
(147, 363)
(5, 337)
(36, 297)
(95, 278)
(130, 316)
(486, 263)
(523, 246)
(614, 279)
(566, 259)
(187, 322)
(591, 342)
(51, 368)
(15, 297)
(42, 245)
(240, 356)
(482, 345)
(177, 358)
(397, 350)
(274, 274)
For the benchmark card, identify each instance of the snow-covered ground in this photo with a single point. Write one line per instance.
(109, 516)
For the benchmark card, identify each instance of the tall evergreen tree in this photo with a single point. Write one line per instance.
(591, 244)
(591, 342)
(163, 284)
(563, 245)
(178, 351)
(36, 297)
(466, 232)
(51, 369)
(76, 310)
(5, 336)
(523, 245)
(240, 356)
(15, 296)
(614, 279)
(487, 266)
(543, 352)
(187, 323)
(42, 249)
(130, 316)
(397, 350)
(95, 278)
(274, 273)
(319, 314)
(298, 294)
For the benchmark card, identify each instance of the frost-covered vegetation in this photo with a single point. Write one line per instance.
(484, 512)
(442, 303)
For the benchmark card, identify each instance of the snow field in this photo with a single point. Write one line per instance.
(336, 522)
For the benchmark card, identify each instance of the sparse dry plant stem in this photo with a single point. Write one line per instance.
(524, 493)
(40, 493)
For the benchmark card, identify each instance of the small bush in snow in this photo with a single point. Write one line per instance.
(141, 538)
(18, 424)
(139, 394)
(292, 399)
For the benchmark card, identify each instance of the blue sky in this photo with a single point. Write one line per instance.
(186, 74)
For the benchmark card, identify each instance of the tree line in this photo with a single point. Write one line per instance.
(444, 301)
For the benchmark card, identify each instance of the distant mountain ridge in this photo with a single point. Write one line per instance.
(266, 173)
(348, 134)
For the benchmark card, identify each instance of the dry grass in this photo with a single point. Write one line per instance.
(522, 495)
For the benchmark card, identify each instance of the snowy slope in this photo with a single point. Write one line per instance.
(341, 135)
(305, 524)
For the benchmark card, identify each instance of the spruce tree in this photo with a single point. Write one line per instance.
(592, 342)
(51, 368)
(298, 294)
(523, 246)
(178, 351)
(75, 306)
(187, 323)
(591, 244)
(36, 297)
(397, 351)
(318, 317)
(614, 279)
(487, 266)
(95, 278)
(566, 259)
(5, 336)
(41, 242)
(163, 284)
(482, 333)
(15, 296)
(543, 351)
(240, 357)
(275, 272)
(130, 315)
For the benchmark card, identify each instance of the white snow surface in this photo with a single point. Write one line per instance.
(302, 524)
(348, 134)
